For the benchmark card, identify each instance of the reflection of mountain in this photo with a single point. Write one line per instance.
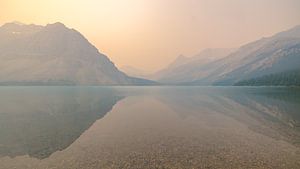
(41, 121)
(270, 111)
(281, 104)
(276, 110)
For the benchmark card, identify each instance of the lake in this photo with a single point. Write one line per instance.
(149, 127)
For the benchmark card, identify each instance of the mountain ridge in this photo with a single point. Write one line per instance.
(275, 54)
(39, 54)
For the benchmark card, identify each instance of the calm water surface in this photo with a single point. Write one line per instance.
(149, 127)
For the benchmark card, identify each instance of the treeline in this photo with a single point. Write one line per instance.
(289, 78)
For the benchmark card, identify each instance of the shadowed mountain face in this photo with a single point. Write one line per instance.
(54, 55)
(41, 121)
(273, 55)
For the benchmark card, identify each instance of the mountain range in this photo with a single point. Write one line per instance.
(55, 55)
(276, 54)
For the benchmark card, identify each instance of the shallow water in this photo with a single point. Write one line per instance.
(149, 127)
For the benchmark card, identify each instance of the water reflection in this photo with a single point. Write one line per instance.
(277, 110)
(40, 121)
(274, 112)
(152, 127)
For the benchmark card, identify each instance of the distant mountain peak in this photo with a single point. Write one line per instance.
(179, 60)
(56, 25)
(136, 72)
(181, 56)
(11, 25)
(18, 23)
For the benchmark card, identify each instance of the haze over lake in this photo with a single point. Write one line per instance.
(149, 127)
(149, 84)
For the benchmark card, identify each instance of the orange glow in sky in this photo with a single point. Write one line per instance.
(149, 34)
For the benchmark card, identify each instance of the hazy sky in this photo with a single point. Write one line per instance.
(148, 34)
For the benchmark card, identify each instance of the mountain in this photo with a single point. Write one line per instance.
(267, 56)
(185, 69)
(135, 72)
(54, 55)
(272, 55)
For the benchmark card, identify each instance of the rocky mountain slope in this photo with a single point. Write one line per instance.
(54, 55)
(272, 55)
